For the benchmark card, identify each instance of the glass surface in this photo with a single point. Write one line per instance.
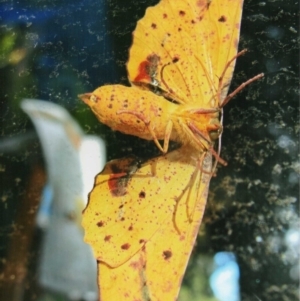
(55, 50)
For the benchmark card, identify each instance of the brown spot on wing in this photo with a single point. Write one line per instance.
(107, 238)
(167, 254)
(100, 224)
(175, 59)
(222, 19)
(125, 246)
(120, 177)
(142, 194)
(148, 68)
(117, 185)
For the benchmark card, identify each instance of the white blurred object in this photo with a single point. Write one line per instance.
(91, 162)
(73, 159)
(224, 281)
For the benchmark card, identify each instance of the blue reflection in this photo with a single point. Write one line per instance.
(68, 47)
(27, 11)
(45, 206)
(224, 281)
(15, 13)
(274, 32)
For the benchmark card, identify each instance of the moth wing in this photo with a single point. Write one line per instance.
(183, 47)
(156, 270)
(129, 204)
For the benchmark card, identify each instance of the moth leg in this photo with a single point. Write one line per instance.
(153, 169)
(210, 148)
(167, 136)
(202, 111)
(190, 129)
(147, 123)
(186, 192)
(205, 174)
(201, 140)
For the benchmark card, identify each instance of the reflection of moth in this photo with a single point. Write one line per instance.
(180, 67)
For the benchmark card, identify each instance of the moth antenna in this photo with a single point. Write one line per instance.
(241, 87)
(225, 69)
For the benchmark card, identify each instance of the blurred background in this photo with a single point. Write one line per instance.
(248, 245)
